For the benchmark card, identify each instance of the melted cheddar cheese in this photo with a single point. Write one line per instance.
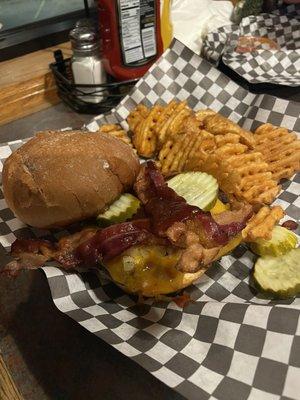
(153, 270)
(219, 207)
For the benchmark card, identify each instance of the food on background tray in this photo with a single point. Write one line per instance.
(249, 44)
(58, 178)
(279, 276)
(163, 239)
(244, 8)
(282, 240)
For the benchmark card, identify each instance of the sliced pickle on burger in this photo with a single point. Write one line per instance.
(119, 211)
(197, 188)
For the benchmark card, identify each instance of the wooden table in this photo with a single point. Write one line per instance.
(27, 84)
(8, 390)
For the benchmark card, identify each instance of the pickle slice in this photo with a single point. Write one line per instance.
(119, 211)
(197, 188)
(279, 275)
(282, 241)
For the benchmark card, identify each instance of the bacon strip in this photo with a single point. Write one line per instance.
(165, 208)
(85, 249)
(112, 241)
(31, 246)
(195, 231)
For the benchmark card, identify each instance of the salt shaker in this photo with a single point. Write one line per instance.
(87, 66)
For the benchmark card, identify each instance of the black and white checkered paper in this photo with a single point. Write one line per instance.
(230, 342)
(280, 67)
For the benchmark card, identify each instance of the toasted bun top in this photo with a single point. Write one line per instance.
(58, 178)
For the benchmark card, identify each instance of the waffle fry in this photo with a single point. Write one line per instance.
(164, 117)
(144, 137)
(116, 131)
(246, 166)
(177, 123)
(260, 226)
(136, 116)
(229, 151)
(171, 121)
(202, 114)
(242, 173)
(219, 125)
(208, 145)
(174, 153)
(191, 124)
(199, 153)
(256, 185)
(222, 140)
(227, 178)
(280, 149)
(205, 145)
(180, 150)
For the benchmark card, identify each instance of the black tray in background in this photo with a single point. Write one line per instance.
(285, 92)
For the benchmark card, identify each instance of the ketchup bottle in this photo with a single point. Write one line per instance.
(131, 34)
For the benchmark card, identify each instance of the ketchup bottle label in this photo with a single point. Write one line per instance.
(137, 21)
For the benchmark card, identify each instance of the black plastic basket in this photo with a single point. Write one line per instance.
(73, 94)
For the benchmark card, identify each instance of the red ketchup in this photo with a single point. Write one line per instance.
(131, 34)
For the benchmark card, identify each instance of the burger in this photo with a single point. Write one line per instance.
(155, 243)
